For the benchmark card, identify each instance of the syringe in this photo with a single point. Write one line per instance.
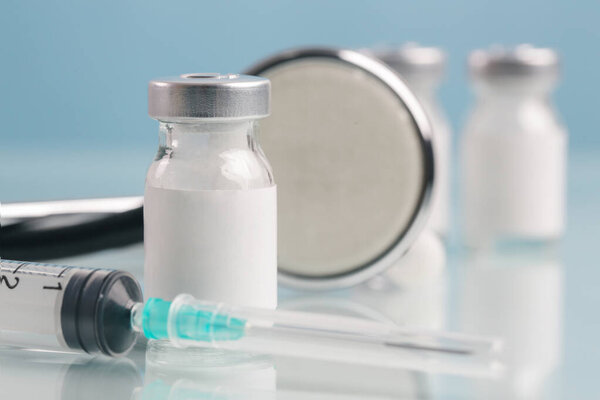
(101, 311)
(66, 308)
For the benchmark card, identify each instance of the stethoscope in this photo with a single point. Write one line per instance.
(58, 229)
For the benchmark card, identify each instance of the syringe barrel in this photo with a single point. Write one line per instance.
(65, 308)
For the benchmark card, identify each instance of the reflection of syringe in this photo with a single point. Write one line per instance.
(102, 311)
(55, 376)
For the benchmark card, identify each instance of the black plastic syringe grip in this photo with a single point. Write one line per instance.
(96, 311)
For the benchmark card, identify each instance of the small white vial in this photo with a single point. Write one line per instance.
(210, 224)
(422, 68)
(513, 150)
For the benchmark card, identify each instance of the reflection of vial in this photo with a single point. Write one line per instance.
(518, 297)
(422, 69)
(513, 149)
(210, 198)
(177, 374)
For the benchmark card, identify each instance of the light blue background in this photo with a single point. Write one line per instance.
(74, 73)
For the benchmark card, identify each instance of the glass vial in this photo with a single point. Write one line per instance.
(513, 150)
(210, 198)
(422, 68)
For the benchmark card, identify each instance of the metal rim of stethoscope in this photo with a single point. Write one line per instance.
(423, 128)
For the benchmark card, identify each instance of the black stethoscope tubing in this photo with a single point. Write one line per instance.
(68, 235)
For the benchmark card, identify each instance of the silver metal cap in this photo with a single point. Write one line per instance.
(523, 60)
(411, 57)
(209, 95)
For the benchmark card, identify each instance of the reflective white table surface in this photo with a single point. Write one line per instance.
(542, 302)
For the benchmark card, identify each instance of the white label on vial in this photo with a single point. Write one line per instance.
(218, 245)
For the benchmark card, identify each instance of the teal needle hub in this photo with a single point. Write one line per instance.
(189, 323)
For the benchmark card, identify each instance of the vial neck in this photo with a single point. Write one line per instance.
(514, 107)
(515, 104)
(424, 87)
(508, 91)
(194, 137)
(425, 91)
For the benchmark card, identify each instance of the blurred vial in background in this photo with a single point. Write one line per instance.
(422, 69)
(513, 150)
(175, 374)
